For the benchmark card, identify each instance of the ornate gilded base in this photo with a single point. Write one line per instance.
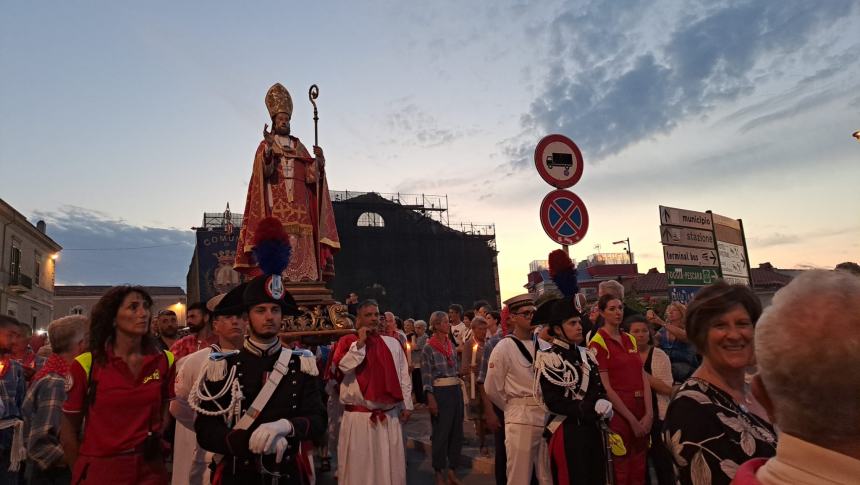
(323, 319)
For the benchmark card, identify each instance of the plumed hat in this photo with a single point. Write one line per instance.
(278, 100)
(563, 273)
(230, 303)
(556, 311)
(272, 252)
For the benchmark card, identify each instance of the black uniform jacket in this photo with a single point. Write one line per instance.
(297, 398)
(581, 411)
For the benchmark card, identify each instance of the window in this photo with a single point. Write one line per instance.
(370, 219)
(15, 263)
(37, 268)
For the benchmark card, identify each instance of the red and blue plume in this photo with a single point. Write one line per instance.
(563, 273)
(272, 248)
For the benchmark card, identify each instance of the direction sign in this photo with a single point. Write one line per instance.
(725, 221)
(691, 276)
(736, 280)
(685, 218)
(728, 234)
(558, 161)
(564, 217)
(733, 260)
(683, 236)
(682, 294)
(678, 255)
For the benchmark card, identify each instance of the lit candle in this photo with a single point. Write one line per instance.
(472, 376)
(409, 354)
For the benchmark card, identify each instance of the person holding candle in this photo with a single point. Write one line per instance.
(419, 340)
(473, 356)
(439, 372)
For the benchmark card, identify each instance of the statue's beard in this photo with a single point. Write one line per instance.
(283, 131)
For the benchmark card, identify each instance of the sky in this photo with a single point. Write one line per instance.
(121, 122)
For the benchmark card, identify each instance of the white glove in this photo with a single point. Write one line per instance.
(603, 408)
(263, 437)
(280, 448)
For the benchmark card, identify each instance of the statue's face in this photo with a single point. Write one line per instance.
(281, 124)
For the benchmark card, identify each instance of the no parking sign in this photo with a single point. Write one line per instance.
(564, 217)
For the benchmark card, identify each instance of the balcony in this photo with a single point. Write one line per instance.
(20, 283)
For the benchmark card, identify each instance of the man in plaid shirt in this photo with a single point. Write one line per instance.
(42, 407)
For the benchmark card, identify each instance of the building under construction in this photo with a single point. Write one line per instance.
(399, 249)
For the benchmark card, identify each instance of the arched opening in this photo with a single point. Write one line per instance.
(370, 219)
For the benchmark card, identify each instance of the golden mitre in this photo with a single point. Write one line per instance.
(278, 100)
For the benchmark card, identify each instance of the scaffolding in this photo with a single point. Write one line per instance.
(433, 207)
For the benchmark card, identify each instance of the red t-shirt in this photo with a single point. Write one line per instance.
(621, 361)
(125, 408)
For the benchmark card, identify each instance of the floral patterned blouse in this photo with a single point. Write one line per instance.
(710, 435)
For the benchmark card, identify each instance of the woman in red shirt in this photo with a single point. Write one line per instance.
(122, 387)
(627, 387)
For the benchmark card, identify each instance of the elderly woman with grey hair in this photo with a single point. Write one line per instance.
(440, 375)
(812, 390)
(714, 423)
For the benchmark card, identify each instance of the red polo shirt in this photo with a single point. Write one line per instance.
(621, 360)
(125, 408)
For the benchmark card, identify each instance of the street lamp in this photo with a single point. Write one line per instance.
(626, 242)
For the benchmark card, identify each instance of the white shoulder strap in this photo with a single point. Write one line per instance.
(266, 392)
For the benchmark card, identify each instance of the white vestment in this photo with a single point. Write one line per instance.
(190, 462)
(510, 385)
(367, 452)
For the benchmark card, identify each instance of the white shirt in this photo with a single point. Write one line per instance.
(510, 376)
(803, 463)
(458, 331)
(350, 393)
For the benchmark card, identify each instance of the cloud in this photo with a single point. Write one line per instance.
(417, 127)
(102, 250)
(779, 238)
(609, 93)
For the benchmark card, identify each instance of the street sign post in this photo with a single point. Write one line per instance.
(683, 294)
(691, 275)
(683, 236)
(564, 217)
(733, 259)
(677, 255)
(558, 161)
(685, 218)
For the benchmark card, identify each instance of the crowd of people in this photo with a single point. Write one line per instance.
(718, 391)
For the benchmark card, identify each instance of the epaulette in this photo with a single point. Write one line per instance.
(308, 361)
(216, 366)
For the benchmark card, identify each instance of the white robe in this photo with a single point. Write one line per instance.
(369, 453)
(190, 462)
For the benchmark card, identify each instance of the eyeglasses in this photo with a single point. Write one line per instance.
(526, 314)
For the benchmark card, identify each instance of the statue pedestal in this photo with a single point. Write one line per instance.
(322, 319)
(310, 293)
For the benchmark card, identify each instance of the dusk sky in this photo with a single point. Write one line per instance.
(123, 122)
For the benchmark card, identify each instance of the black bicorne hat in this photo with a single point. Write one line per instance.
(555, 312)
(269, 289)
(231, 303)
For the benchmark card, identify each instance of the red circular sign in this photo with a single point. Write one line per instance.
(564, 217)
(558, 161)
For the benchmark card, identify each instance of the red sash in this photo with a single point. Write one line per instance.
(377, 376)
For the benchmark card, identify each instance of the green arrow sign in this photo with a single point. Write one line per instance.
(691, 276)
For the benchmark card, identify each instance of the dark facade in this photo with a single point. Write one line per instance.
(410, 263)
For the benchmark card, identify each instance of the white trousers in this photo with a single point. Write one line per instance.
(190, 462)
(526, 451)
(370, 453)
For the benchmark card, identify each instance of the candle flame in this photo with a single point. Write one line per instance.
(475, 348)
